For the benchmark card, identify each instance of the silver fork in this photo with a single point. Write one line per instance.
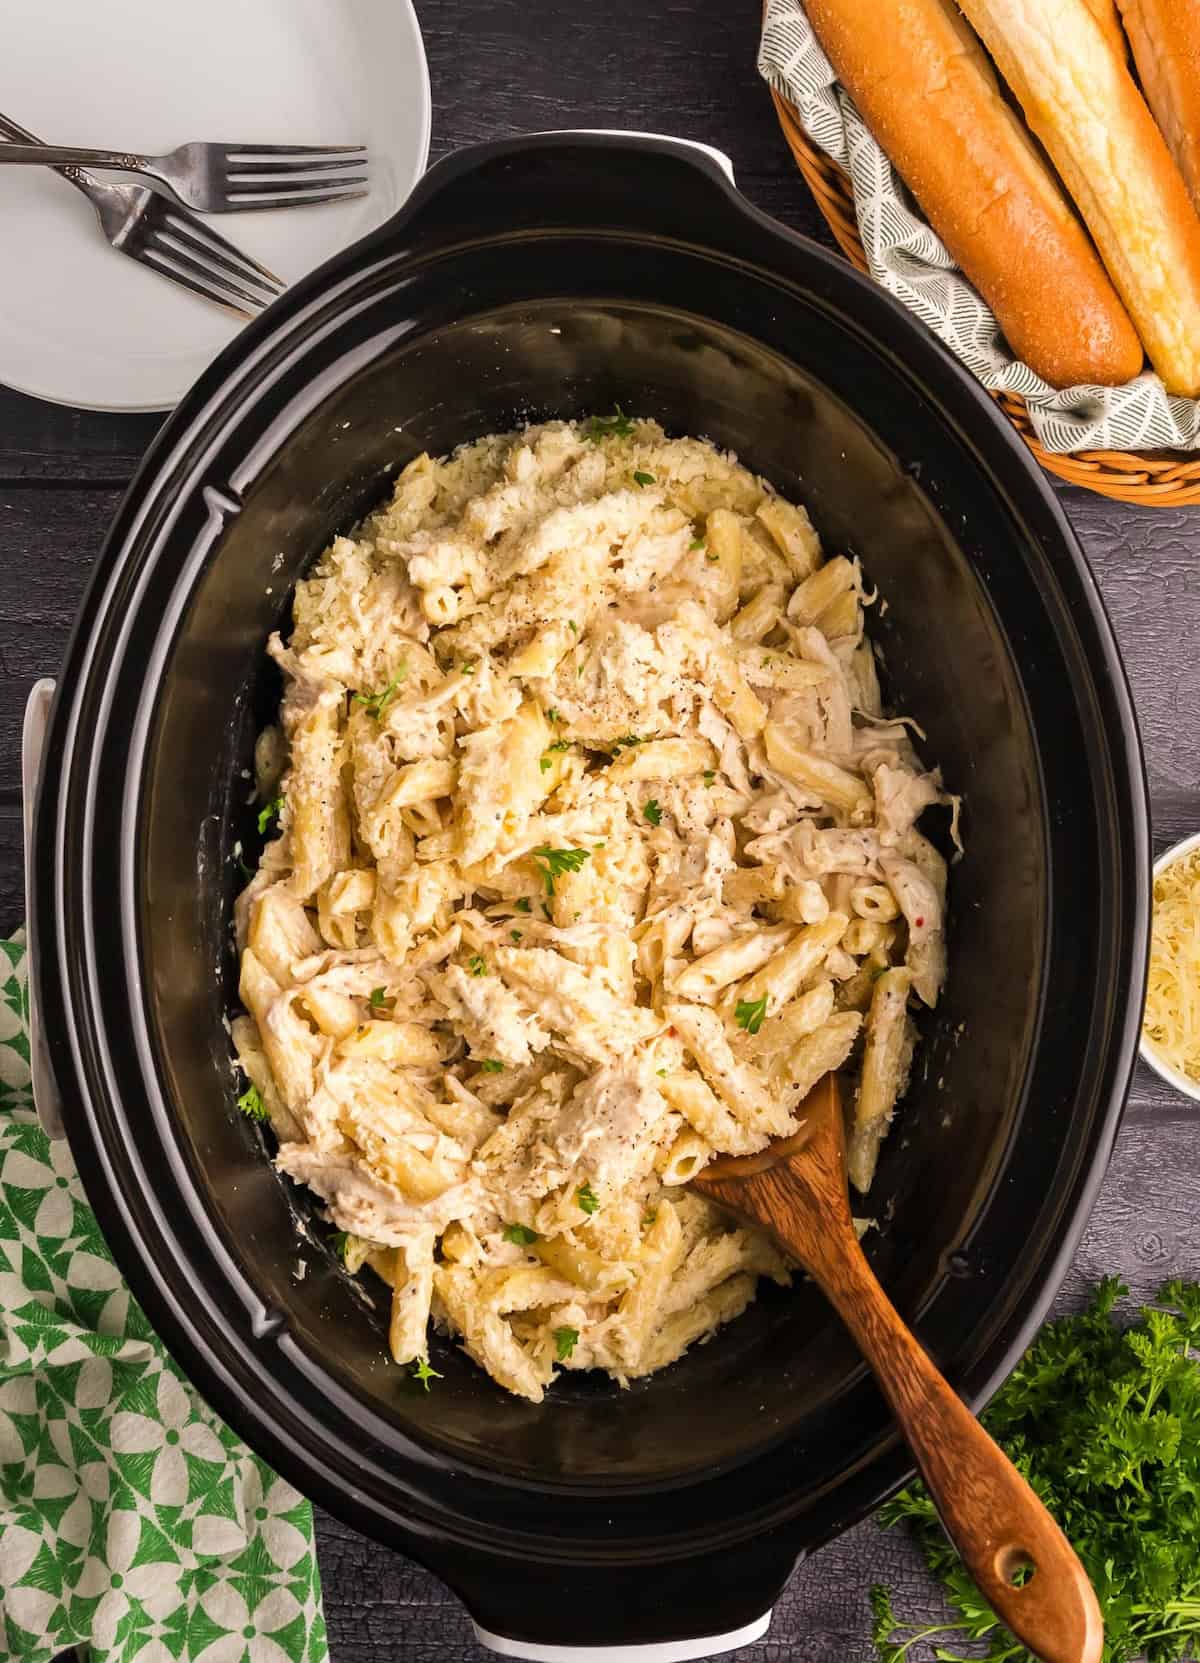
(224, 178)
(171, 241)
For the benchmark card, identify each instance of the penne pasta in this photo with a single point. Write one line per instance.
(587, 851)
(787, 970)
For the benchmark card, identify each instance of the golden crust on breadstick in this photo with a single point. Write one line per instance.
(1165, 36)
(1082, 103)
(927, 92)
(1105, 13)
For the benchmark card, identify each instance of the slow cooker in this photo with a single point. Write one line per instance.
(556, 276)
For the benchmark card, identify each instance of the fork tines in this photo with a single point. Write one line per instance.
(256, 176)
(197, 257)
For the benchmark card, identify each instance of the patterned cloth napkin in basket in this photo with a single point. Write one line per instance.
(131, 1520)
(908, 259)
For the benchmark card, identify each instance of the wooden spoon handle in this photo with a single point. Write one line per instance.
(1024, 1565)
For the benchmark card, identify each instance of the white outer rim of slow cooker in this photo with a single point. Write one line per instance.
(655, 1651)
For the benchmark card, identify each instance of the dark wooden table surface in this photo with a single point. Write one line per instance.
(500, 67)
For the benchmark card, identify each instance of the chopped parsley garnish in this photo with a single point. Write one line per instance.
(378, 997)
(572, 626)
(560, 745)
(616, 426)
(340, 1244)
(628, 739)
(520, 1235)
(468, 669)
(749, 1014)
(490, 1065)
(652, 812)
(552, 714)
(545, 764)
(649, 1218)
(269, 813)
(376, 703)
(710, 775)
(554, 862)
(477, 964)
(421, 1371)
(661, 1072)
(514, 936)
(565, 1341)
(544, 761)
(641, 477)
(1104, 1422)
(252, 1105)
(523, 904)
(587, 1198)
(695, 544)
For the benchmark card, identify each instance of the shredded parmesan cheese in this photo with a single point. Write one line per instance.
(1172, 1019)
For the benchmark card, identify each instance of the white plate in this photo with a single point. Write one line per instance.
(83, 325)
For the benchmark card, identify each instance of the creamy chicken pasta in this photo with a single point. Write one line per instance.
(592, 849)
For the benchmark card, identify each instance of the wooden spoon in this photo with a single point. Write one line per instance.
(1029, 1573)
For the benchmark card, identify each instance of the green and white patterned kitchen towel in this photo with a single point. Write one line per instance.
(131, 1520)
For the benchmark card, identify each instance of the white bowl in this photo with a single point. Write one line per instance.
(1160, 1065)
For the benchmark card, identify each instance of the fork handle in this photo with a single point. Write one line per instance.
(65, 155)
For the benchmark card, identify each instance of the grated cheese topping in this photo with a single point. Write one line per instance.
(1172, 1019)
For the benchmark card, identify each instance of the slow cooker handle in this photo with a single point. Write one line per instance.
(601, 180)
(646, 1651)
(644, 1612)
(46, 1099)
(710, 150)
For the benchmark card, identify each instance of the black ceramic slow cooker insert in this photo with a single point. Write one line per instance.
(527, 279)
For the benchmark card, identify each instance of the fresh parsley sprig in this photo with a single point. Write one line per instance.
(553, 863)
(616, 426)
(376, 703)
(586, 1198)
(1104, 1422)
(421, 1371)
(749, 1013)
(565, 1341)
(520, 1235)
(252, 1105)
(269, 813)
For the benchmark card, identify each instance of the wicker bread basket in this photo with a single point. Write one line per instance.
(1152, 479)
